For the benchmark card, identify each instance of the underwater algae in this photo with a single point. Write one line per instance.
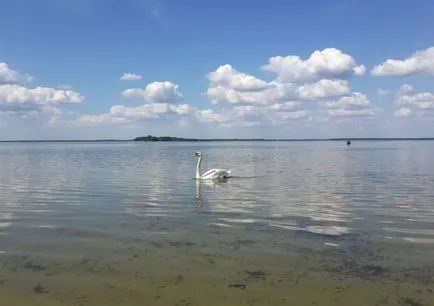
(174, 272)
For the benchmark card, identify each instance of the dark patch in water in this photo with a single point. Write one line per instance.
(237, 244)
(352, 268)
(239, 286)
(183, 302)
(411, 301)
(258, 274)
(39, 289)
(424, 274)
(179, 278)
(179, 244)
(33, 267)
(156, 244)
(245, 241)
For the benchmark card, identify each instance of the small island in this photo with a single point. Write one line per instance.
(170, 138)
(162, 138)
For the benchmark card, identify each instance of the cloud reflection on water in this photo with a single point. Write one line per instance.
(323, 188)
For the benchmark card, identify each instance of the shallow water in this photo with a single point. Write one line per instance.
(300, 223)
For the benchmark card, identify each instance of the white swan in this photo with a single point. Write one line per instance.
(210, 174)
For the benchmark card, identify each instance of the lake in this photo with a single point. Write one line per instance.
(299, 223)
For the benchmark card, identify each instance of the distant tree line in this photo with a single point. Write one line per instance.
(163, 138)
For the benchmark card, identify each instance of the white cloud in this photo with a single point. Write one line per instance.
(402, 112)
(287, 117)
(39, 103)
(419, 63)
(100, 119)
(228, 77)
(356, 100)
(383, 92)
(251, 115)
(153, 110)
(234, 118)
(324, 76)
(13, 93)
(411, 103)
(161, 100)
(285, 106)
(406, 96)
(405, 89)
(342, 112)
(329, 63)
(9, 76)
(210, 116)
(276, 92)
(323, 89)
(156, 92)
(128, 76)
(356, 105)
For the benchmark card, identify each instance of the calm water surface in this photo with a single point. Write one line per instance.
(299, 223)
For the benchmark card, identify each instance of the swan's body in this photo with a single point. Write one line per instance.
(211, 174)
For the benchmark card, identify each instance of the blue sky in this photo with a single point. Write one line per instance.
(290, 69)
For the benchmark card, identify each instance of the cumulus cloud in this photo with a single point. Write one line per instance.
(31, 103)
(161, 100)
(402, 112)
(324, 76)
(419, 63)
(153, 110)
(342, 112)
(100, 119)
(252, 115)
(323, 89)
(355, 105)
(128, 76)
(238, 117)
(155, 92)
(276, 92)
(210, 116)
(286, 117)
(10, 76)
(408, 97)
(329, 63)
(228, 77)
(40, 95)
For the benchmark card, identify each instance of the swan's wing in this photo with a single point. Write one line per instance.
(210, 172)
(216, 172)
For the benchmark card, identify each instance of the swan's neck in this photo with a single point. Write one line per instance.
(199, 161)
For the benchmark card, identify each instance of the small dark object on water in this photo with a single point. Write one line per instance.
(348, 142)
(240, 286)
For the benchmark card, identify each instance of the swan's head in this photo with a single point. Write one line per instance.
(197, 154)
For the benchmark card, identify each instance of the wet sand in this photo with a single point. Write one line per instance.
(218, 266)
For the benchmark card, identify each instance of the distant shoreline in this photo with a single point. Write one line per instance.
(180, 139)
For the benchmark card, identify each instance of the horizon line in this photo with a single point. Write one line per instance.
(181, 139)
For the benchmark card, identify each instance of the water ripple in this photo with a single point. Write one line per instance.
(322, 189)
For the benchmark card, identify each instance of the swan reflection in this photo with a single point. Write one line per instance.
(215, 183)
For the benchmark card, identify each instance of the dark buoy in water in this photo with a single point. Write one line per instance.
(348, 142)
